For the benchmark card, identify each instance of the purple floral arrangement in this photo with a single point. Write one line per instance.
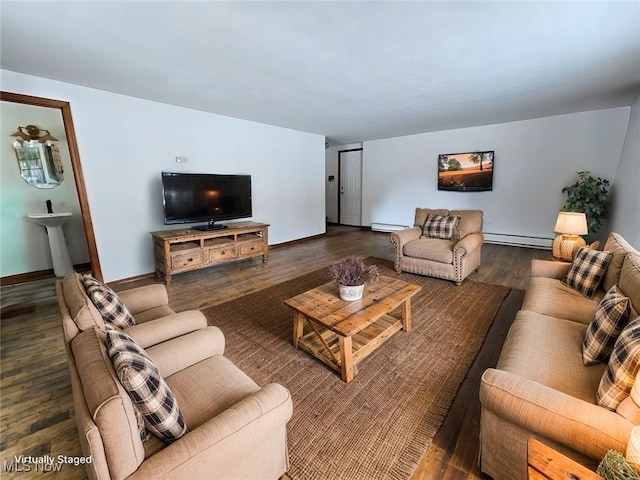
(352, 271)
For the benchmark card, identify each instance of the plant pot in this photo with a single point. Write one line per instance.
(350, 293)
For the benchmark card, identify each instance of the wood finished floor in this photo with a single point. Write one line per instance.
(37, 411)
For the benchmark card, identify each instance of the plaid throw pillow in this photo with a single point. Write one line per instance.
(622, 369)
(108, 303)
(610, 318)
(440, 226)
(148, 391)
(587, 271)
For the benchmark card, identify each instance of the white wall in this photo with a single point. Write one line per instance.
(625, 204)
(125, 143)
(534, 160)
(25, 246)
(332, 168)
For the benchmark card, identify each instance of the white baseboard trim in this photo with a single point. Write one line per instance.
(386, 227)
(518, 240)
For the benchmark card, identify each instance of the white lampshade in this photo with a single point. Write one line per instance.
(633, 448)
(571, 223)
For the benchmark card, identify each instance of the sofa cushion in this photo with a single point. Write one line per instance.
(441, 226)
(153, 314)
(147, 389)
(548, 351)
(113, 311)
(587, 271)
(610, 318)
(622, 369)
(548, 296)
(630, 281)
(143, 298)
(619, 248)
(470, 221)
(202, 396)
(434, 249)
(82, 310)
(423, 213)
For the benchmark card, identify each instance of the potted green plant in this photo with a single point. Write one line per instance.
(590, 196)
(615, 467)
(351, 274)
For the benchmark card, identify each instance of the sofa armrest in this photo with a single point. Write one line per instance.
(207, 450)
(181, 352)
(162, 329)
(144, 298)
(401, 237)
(468, 244)
(581, 426)
(549, 269)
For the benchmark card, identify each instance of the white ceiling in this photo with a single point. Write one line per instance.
(351, 71)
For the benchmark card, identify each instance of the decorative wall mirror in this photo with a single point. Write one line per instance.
(51, 166)
(38, 157)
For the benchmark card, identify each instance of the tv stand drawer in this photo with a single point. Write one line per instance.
(188, 260)
(216, 254)
(251, 248)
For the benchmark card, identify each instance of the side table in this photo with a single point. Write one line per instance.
(545, 463)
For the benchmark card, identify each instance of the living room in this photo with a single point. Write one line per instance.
(126, 140)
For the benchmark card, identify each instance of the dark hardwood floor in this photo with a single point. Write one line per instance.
(37, 411)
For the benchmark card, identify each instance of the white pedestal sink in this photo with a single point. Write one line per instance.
(59, 251)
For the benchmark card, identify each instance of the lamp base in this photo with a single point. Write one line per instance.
(565, 247)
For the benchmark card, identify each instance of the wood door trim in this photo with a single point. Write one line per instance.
(340, 152)
(67, 120)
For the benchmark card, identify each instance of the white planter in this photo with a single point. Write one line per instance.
(350, 293)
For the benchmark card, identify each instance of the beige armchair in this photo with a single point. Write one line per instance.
(451, 258)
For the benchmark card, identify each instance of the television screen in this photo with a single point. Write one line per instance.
(200, 197)
(466, 172)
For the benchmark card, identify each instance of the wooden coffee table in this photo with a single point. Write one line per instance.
(340, 333)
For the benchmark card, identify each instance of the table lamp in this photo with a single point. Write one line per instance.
(570, 225)
(633, 448)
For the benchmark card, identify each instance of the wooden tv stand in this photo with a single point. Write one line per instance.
(177, 251)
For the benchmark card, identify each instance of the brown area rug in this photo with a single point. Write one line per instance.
(379, 425)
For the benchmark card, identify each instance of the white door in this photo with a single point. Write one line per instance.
(350, 200)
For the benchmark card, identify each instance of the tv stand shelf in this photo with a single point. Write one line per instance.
(177, 251)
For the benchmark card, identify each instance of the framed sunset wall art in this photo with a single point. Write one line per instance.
(466, 172)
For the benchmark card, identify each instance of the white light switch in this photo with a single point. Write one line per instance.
(182, 159)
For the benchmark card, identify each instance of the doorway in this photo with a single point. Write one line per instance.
(74, 156)
(350, 187)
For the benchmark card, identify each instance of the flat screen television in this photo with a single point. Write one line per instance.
(466, 172)
(205, 197)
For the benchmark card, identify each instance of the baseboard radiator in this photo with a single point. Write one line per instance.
(386, 227)
(518, 240)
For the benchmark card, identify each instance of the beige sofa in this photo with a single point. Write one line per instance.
(541, 388)
(235, 428)
(451, 259)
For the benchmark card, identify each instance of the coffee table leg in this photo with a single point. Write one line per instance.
(406, 315)
(298, 328)
(346, 354)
